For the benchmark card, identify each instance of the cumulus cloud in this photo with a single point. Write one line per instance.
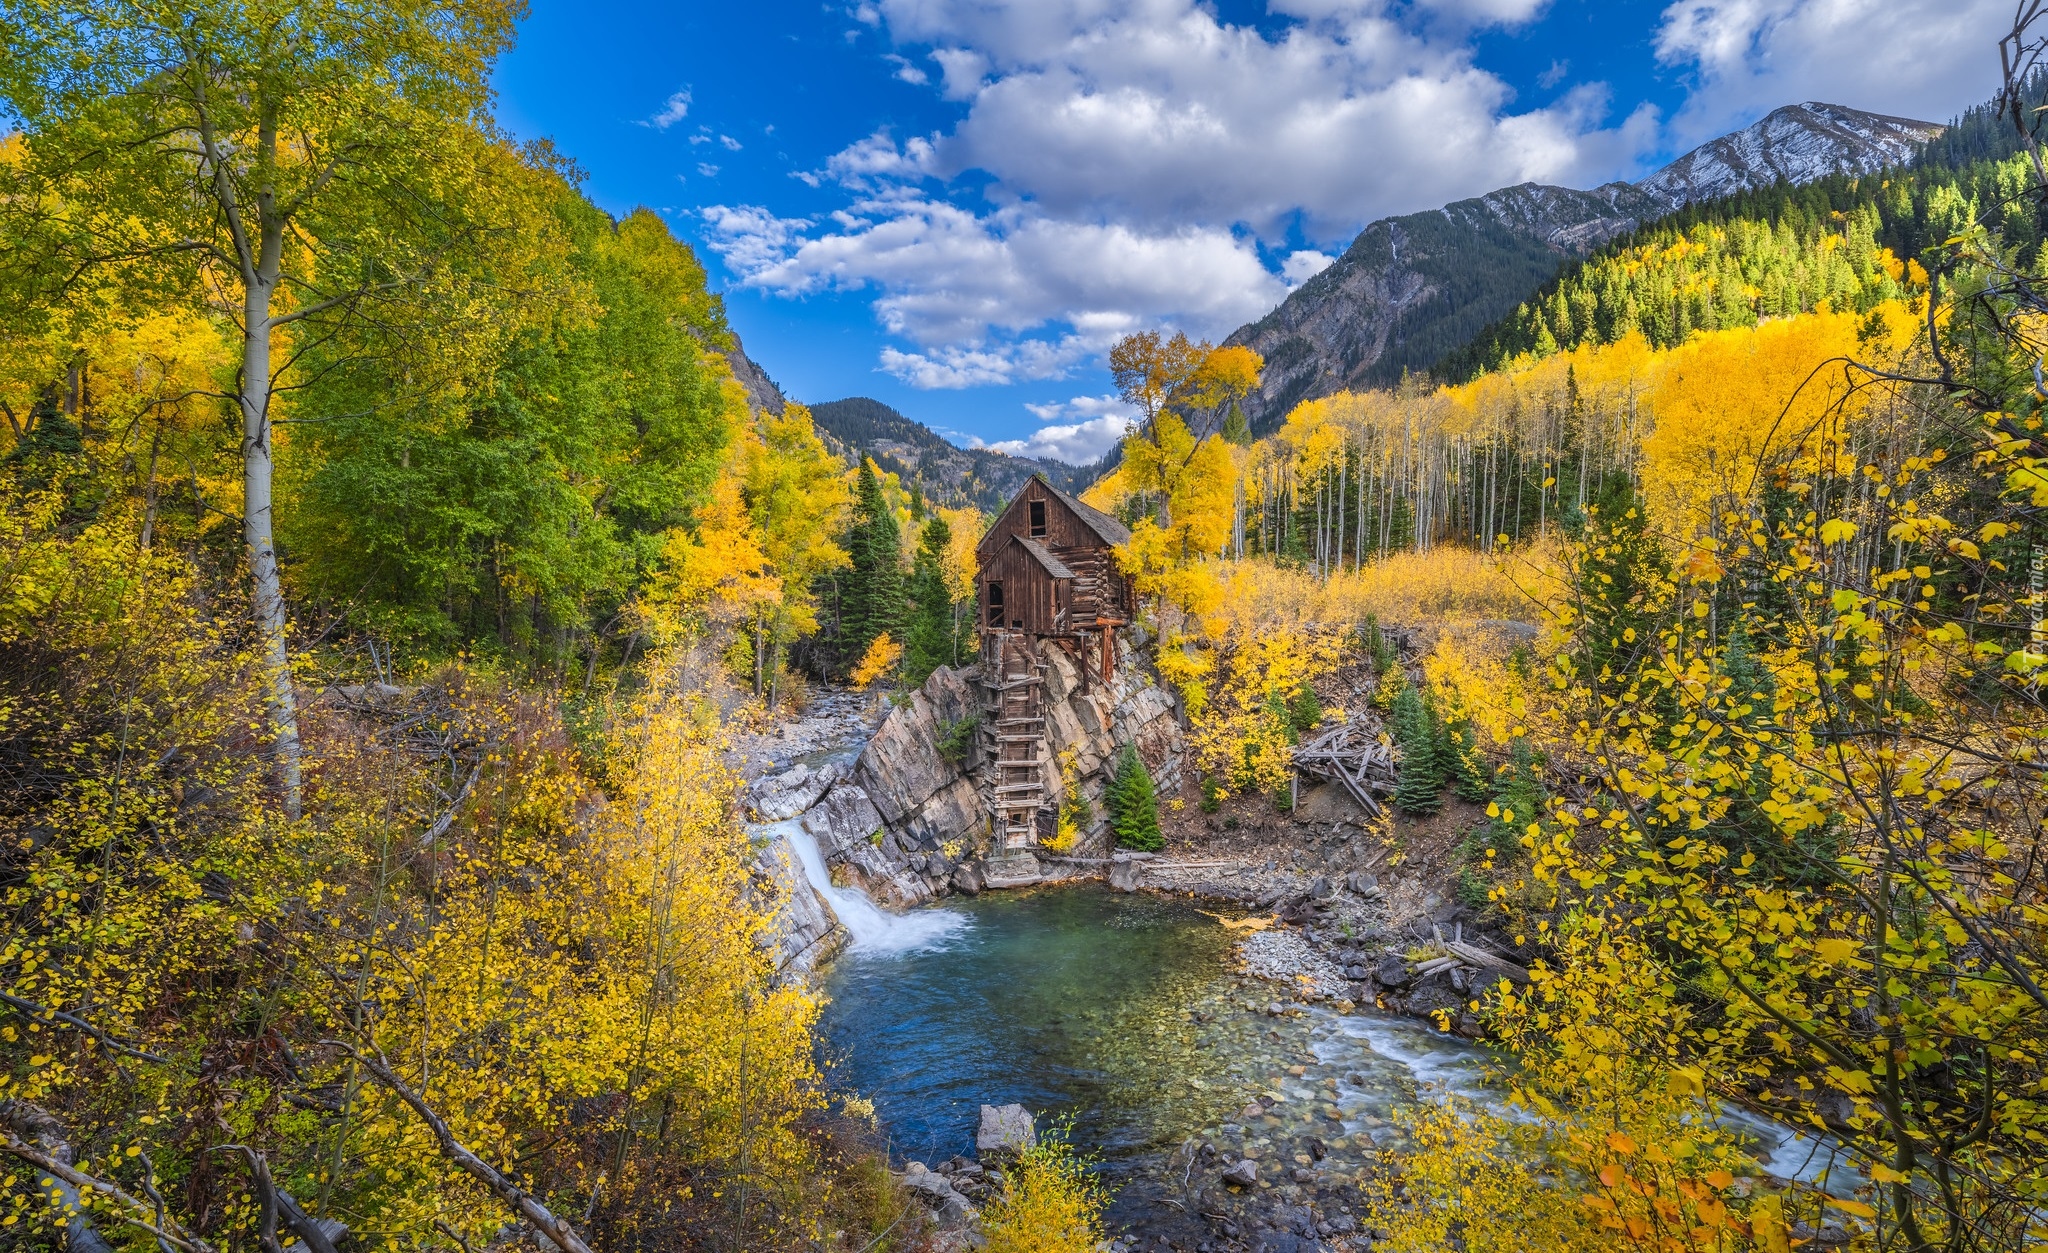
(1154, 111)
(1927, 59)
(673, 110)
(1303, 265)
(1096, 424)
(949, 277)
(984, 365)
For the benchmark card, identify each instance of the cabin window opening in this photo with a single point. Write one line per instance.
(1037, 519)
(995, 604)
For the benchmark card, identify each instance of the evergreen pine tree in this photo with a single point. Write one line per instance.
(872, 597)
(1620, 580)
(1459, 749)
(1235, 429)
(1419, 786)
(1518, 797)
(930, 641)
(1134, 804)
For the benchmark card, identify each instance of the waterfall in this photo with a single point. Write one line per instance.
(872, 928)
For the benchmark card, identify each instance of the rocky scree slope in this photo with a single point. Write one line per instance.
(1411, 289)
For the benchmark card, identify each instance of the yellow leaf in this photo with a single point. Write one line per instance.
(1837, 531)
(1848, 1206)
(1834, 951)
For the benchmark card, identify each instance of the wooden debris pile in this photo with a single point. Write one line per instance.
(1355, 754)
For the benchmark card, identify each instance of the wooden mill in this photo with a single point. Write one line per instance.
(1048, 577)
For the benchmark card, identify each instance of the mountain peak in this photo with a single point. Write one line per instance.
(1798, 143)
(1411, 289)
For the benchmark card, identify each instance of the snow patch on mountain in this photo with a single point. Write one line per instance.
(1798, 143)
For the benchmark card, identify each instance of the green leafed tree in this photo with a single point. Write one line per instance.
(298, 168)
(1418, 789)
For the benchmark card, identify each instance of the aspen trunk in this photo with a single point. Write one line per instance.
(258, 517)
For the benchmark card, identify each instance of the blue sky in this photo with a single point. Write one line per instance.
(956, 205)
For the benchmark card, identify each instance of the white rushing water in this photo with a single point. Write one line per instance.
(873, 930)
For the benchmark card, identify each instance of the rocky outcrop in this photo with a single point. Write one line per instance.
(805, 934)
(928, 802)
(852, 838)
(932, 811)
(763, 396)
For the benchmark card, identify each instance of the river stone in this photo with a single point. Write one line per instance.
(1394, 972)
(1005, 1129)
(1123, 874)
(967, 879)
(1245, 1174)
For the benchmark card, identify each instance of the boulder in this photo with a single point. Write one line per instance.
(967, 879)
(1393, 972)
(1244, 1175)
(783, 796)
(1005, 1129)
(1123, 874)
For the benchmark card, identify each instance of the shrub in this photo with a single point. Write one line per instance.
(1050, 1204)
(956, 739)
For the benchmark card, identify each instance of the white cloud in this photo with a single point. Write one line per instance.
(731, 144)
(1303, 265)
(908, 72)
(673, 110)
(707, 169)
(950, 278)
(751, 238)
(1154, 111)
(956, 366)
(1926, 59)
(1100, 421)
(1076, 443)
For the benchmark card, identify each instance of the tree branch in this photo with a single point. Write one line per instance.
(559, 1232)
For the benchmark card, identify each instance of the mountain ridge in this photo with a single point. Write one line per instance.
(1376, 314)
(944, 472)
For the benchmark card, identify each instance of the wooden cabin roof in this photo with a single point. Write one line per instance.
(1106, 528)
(1090, 526)
(1053, 565)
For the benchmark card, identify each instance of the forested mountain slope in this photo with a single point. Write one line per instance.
(1410, 289)
(1840, 240)
(945, 473)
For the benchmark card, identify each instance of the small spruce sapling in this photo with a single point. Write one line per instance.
(1134, 804)
(1462, 764)
(1419, 787)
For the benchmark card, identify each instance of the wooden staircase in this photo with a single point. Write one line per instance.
(1013, 737)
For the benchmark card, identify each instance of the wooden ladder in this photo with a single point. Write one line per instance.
(1014, 734)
